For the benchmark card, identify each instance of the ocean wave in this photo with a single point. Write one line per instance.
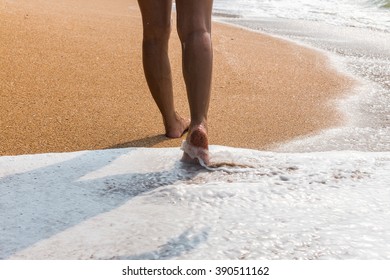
(331, 205)
(361, 14)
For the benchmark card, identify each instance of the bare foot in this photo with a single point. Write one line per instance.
(177, 127)
(198, 143)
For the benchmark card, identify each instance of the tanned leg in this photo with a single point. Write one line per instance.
(156, 19)
(194, 28)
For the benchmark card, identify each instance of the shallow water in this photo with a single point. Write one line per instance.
(355, 35)
(372, 14)
(114, 204)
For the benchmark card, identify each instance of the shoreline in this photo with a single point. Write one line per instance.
(91, 94)
(365, 104)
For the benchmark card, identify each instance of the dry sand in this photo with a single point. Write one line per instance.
(71, 79)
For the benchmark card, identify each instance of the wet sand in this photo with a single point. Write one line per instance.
(71, 79)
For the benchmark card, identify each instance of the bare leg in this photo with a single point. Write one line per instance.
(156, 19)
(194, 28)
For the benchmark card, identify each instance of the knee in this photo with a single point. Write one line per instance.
(199, 36)
(156, 34)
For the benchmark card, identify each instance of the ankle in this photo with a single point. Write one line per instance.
(198, 125)
(175, 126)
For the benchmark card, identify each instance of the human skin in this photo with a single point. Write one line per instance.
(194, 30)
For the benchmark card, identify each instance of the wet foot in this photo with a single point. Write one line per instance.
(196, 146)
(177, 127)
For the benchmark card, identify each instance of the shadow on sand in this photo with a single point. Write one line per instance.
(149, 141)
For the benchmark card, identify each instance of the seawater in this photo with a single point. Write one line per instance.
(355, 34)
(373, 14)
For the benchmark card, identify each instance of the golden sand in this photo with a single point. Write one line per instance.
(71, 79)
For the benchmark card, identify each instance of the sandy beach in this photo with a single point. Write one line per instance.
(71, 79)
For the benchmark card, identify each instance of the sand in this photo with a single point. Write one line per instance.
(71, 79)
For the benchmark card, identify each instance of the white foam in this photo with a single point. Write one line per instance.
(361, 54)
(353, 13)
(145, 204)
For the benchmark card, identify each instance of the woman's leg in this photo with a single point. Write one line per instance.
(156, 19)
(194, 28)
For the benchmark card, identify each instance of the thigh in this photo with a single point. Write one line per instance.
(193, 16)
(156, 14)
